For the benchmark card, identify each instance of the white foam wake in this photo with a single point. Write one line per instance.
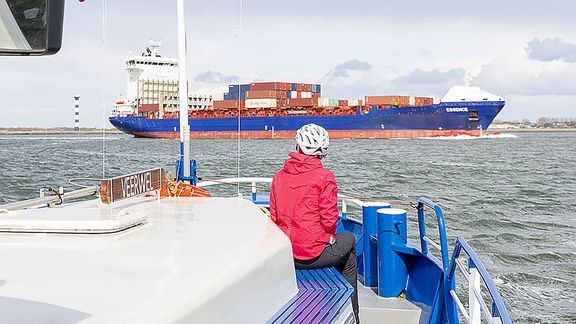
(468, 137)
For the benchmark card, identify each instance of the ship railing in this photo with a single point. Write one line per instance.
(50, 201)
(233, 181)
(253, 185)
(345, 201)
(425, 241)
(474, 273)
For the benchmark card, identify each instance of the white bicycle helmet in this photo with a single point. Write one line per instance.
(313, 140)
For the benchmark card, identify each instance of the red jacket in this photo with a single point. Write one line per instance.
(303, 202)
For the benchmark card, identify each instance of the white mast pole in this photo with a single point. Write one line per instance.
(183, 91)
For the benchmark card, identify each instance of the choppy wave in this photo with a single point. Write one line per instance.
(511, 199)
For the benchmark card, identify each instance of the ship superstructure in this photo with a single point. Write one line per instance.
(152, 86)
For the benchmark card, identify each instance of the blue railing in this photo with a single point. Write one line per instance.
(475, 272)
(424, 239)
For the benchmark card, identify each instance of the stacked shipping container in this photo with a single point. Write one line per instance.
(279, 95)
(237, 91)
(400, 101)
(270, 95)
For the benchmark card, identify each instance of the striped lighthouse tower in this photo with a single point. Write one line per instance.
(76, 113)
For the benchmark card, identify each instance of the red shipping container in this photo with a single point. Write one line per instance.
(423, 101)
(342, 103)
(226, 104)
(148, 107)
(265, 94)
(403, 100)
(300, 102)
(307, 87)
(266, 86)
(378, 100)
(388, 100)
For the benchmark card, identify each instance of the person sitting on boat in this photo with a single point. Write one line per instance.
(303, 203)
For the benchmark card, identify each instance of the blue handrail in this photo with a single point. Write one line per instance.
(498, 307)
(441, 229)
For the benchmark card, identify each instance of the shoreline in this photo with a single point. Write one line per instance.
(56, 131)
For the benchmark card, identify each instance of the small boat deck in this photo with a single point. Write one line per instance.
(376, 309)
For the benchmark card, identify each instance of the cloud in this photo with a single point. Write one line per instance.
(516, 74)
(432, 77)
(215, 77)
(551, 49)
(343, 69)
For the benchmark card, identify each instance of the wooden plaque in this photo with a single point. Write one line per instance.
(131, 185)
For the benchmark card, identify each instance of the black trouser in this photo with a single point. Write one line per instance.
(342, 256)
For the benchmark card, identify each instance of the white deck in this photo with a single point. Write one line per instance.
(375, 309)
(206, 259)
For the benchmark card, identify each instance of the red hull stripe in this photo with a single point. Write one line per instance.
(333, 134)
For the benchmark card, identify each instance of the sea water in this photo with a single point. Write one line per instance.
(513, 196)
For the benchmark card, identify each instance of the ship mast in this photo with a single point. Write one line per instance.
(183, 94)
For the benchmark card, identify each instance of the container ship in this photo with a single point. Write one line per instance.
(278, 109)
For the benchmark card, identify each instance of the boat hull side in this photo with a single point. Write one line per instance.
(444, 119)
(416, 133)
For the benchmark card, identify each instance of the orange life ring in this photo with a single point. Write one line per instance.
(181, 189)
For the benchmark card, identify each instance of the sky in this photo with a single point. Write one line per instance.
(524, 51)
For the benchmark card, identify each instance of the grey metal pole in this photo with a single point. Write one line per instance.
(90, 191)
(183, 91)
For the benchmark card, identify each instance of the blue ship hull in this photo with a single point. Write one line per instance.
(432, 120)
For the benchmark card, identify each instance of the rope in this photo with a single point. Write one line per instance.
(172, 185)
(56, 193)
(71, 181)
(265, 210)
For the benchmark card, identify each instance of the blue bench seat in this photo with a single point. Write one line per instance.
(322, 295)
